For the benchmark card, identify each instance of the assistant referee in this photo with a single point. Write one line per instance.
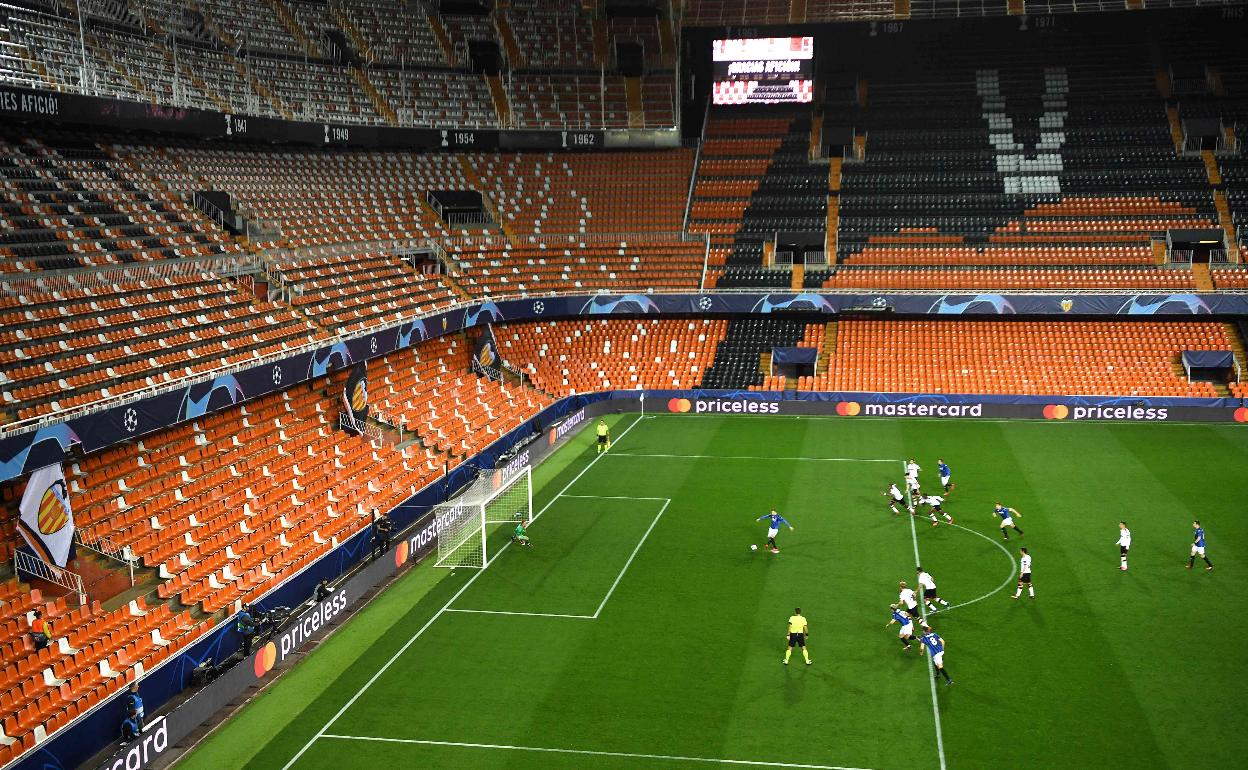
(604, 436)
(799, 629)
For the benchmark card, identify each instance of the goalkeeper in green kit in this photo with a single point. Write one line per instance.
(520, 536)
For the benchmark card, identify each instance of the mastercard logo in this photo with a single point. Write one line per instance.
(265, 658)
(554, 436)
(848, 408)
(679, 405)
(401, 553)
(1241, 414)
(1056, 412)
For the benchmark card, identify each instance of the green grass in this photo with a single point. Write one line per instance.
(1103, 669)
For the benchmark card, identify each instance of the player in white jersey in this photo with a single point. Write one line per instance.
(912, 486)
(929, 590)
(912, 482)
(895, 498)
(1024, 574)
(1124, 545)
(906, 597)
(933, 503)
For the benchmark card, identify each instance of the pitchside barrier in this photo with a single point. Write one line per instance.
(938, 405)
(529, 445)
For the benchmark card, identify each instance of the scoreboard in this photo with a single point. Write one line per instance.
(763, 70)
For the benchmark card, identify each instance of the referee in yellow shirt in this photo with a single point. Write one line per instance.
(604, 436)
(799, 629)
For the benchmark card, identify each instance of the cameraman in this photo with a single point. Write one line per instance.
(246, 627)
(323, 591)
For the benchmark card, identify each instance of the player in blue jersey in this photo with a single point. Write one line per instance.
(935, 645)
(946, 476)
(774, 520)
(1007, 519)
(1198, 547)
(907, 625)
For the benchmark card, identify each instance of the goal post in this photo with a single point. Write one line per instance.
(495, 497)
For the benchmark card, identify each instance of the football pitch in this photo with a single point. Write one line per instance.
(641, 632)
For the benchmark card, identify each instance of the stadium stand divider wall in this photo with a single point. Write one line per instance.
(26, 451)
(415, 538)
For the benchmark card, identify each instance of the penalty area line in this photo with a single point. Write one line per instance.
(590, 753)
(611, 497)
(420, 631)
(662, 509)
(527, 614)
(666, 502)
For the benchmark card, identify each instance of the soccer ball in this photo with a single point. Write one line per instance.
(753, 547)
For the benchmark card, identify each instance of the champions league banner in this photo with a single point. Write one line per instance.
(27, 451)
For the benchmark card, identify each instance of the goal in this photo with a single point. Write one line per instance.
(495, 497)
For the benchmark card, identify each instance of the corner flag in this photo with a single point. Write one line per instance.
(47, 522)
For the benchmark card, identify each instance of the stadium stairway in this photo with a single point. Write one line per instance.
(735, 155)
(636, 110)
(738, 355)
(474, 179)
(791, 195)
(498, 95)
(379, 102)
(1237, 333)
(1201, 277)
(828, 349)
(287, 18)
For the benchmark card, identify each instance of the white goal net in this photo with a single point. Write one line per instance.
(463, 521)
